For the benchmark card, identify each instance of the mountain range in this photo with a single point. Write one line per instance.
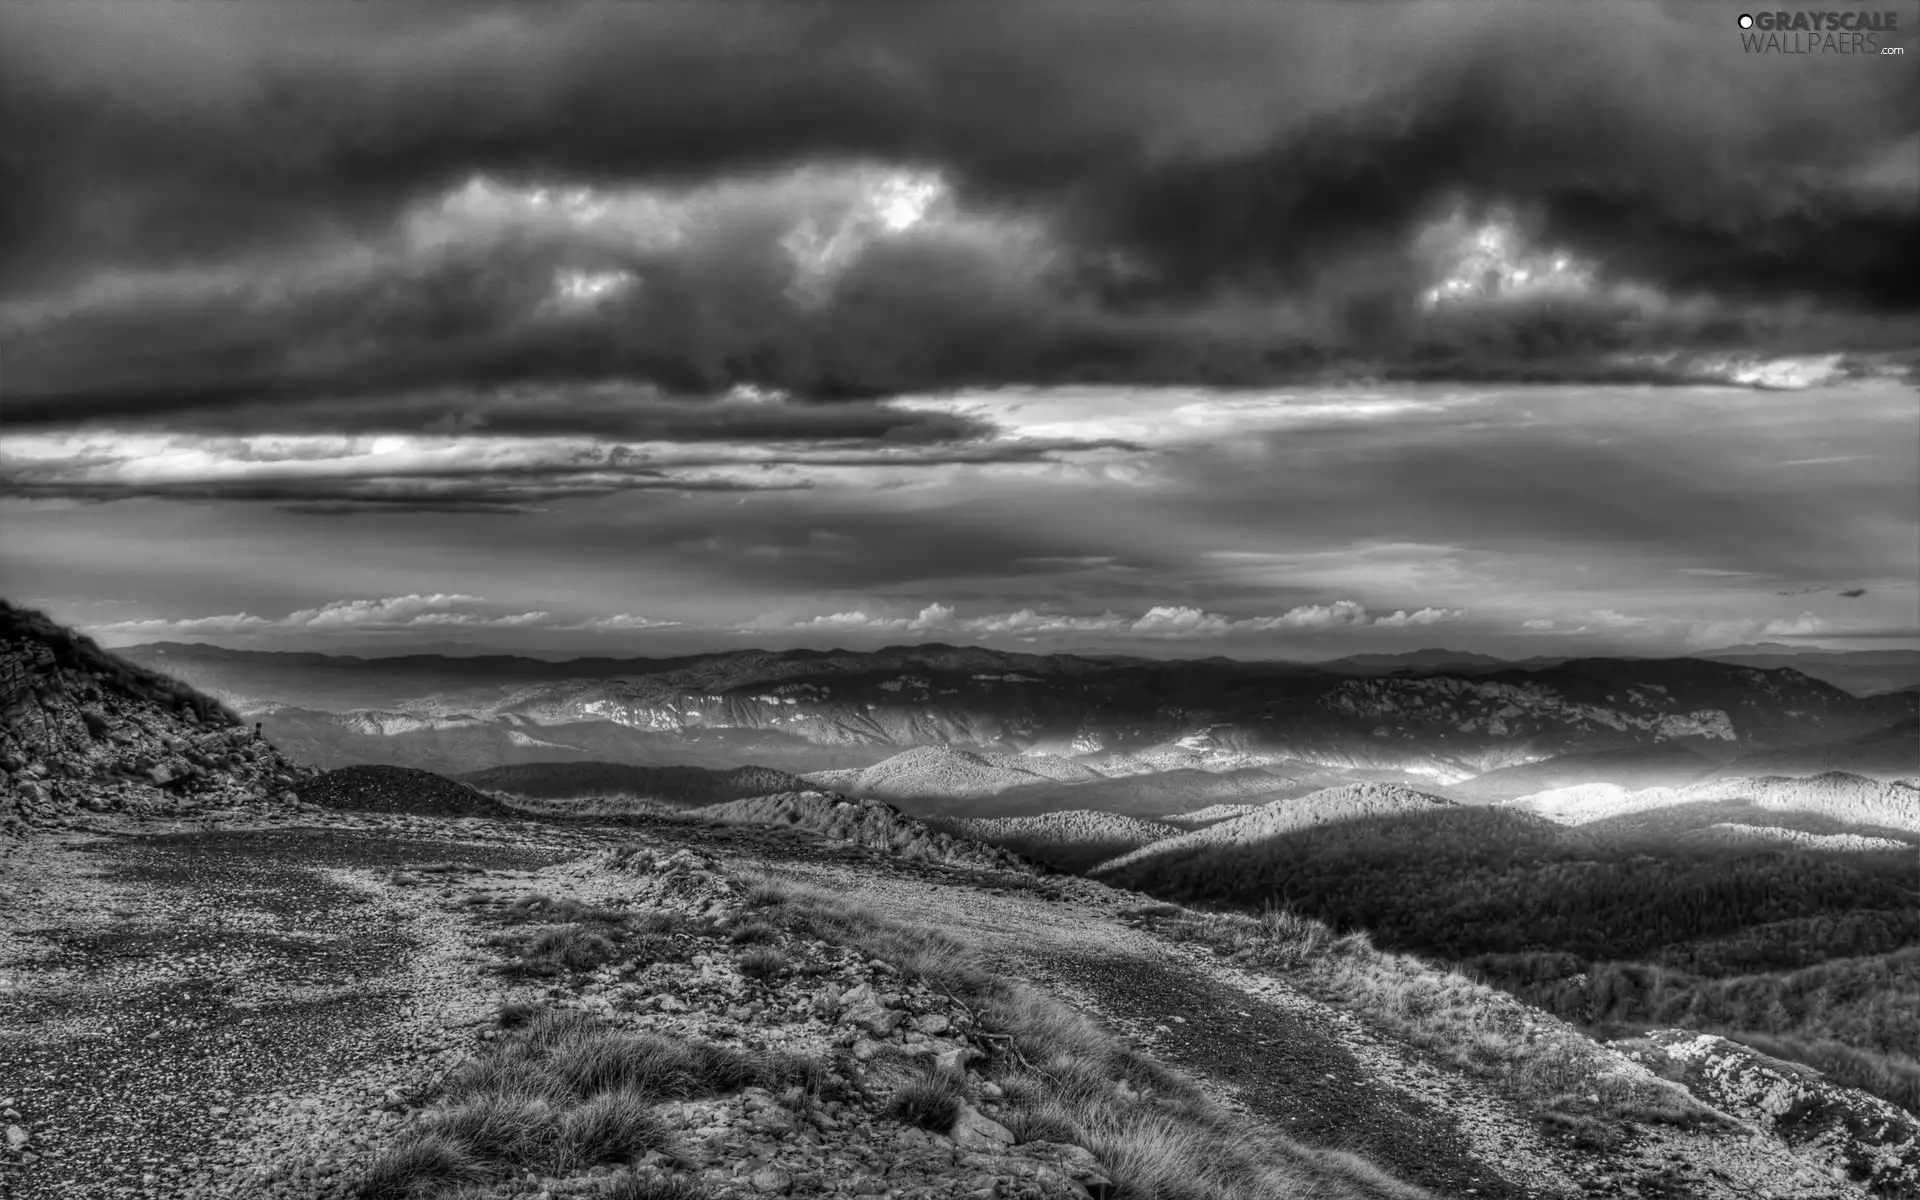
(1048, 721)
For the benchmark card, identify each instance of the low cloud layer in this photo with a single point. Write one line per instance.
(439, 613)
(1159, 622)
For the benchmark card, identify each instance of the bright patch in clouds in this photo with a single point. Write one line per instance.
(1495, 260)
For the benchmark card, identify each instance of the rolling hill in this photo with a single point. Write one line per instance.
(1066, 841)
(1283, 816)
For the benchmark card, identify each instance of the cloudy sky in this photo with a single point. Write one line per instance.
(1167, 328)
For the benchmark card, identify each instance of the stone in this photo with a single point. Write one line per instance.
(1830, 1126)
(956, 1059)
(18, 1139)
(975, 1130)
(771, 1180)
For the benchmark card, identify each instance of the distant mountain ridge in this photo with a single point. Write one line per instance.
(810, 710)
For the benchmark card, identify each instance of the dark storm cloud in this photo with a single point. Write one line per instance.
(1191, 165)
(490, 491)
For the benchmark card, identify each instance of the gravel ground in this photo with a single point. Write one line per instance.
(159, 994)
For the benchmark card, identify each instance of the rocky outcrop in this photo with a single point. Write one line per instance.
(1854, 1135)
(83, 731)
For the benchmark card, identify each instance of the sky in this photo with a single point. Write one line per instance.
(1265, 330)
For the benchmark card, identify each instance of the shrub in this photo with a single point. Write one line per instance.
(538, 908)
(517, 1128)
(515, 1015)
(418, 1167)
(653, 1187)
(608, 1060)
(764, 893)
(753, 933)
(615, 1126)
(930, 1100)
(557, 951)
(762, 963)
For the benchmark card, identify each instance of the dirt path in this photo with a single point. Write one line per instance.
(156, 990)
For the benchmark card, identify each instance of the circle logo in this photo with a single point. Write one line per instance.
(1746, 22)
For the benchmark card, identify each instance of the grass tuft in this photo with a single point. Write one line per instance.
(615, 1126)
(930, 1099)
(763, 963)
(753, 933)
(653, 1187)
(512, 1128)
(557, 951)
(419, 1167)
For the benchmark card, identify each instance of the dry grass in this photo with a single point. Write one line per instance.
(759, 891)
(1566, 1078)
(615, 1126)
(563, 1093)
(419, 1167)
(763, 964)
(652, 1187)
(930, 1099)
(752, 933)
(1069, 1079)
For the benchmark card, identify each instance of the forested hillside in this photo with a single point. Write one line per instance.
(1620, 924)
(603, 780)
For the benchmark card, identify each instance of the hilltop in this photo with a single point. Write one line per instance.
(947, 773)
(1282, 816)
(1073, 840)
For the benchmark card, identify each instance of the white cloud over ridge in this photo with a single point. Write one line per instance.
(450, 611)
(1161, 622)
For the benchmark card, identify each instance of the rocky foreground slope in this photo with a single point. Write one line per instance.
(83, 731)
